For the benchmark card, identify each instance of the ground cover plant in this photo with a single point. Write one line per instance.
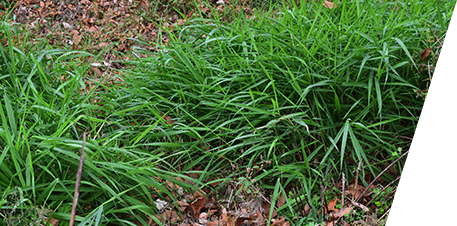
(297, 113)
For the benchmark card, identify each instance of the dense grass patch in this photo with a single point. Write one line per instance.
(313, 90)
(44, 110)
(295, 99)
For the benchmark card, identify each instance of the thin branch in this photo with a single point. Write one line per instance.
(380, 191)
(342, 194)
(78, 182)
(366, 189)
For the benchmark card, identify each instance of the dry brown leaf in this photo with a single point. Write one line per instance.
(89, 20)
(331, 205)
(53, 222)
(181, 22)
(198, 194)
(167, 119)
(353, 192)
(182, 205)
(97, 71)
(224, 217)
(307, 209)
(425, 54)
(213, 223)
(259, 218)
(241, 220)
(266, 210)
(230, 221)
(280, 222)
(93, 30)
(76, 37)
(282, 201)
(329, 5)
(169, 216)
(340, 213)
(103, 45)
(198, 204)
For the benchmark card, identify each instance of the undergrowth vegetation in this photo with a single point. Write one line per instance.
(294, 99)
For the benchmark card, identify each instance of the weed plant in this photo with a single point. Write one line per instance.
(294, 99)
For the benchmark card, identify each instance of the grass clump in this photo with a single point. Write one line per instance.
(313, 90)
(262, 104)
(44, 109)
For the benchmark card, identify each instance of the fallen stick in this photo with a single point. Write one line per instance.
(366, 189)
(78, 182)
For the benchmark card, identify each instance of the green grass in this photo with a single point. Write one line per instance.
(313, 90)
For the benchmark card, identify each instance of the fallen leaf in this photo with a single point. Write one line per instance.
(203, 218)
(212, 212)
(281, 201)
(279, 222)
(97, 71)
(230, 221)
(352, 192)
(103, 45)
(266, 210)
(307, 209)
(214, 223)
(169, 216)
(197, 205)
(198, 194)
(224, 217)
(329, 5)
(425, 54)
(53, 222)
(182, 205)
(76, 37)
(167, 119)
(331, 205)
(340, 213)
(181, 21)
(89, 20)
(241, 220)
(259, 218)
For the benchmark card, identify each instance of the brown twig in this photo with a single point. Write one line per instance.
(78, 182)
(366, 189)
(342, 194)
(323, 201)
(357, 174)
(383, 190)
(297, 197)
